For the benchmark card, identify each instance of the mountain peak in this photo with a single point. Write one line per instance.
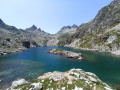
(74, 26)
(33, 27)
(69, 27)
(1, 20)
(39, 29)
(66, 27)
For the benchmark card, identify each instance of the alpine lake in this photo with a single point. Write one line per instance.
(36, 61)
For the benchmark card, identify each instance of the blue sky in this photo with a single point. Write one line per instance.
(49, 15)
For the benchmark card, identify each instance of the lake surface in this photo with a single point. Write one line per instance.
(36, 61)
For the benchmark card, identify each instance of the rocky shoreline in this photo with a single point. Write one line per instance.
(10, 51)
(65, 53)
(117, 52)
(74, 79)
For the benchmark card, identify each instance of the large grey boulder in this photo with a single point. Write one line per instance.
(35, 86)
(17, 83)
(111, 39)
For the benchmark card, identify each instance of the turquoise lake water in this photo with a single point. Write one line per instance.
(36, 61)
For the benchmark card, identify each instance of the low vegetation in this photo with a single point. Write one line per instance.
(69, 80)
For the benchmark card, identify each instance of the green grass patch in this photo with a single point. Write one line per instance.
(59, 49)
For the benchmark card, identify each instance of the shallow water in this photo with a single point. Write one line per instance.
(36, 61)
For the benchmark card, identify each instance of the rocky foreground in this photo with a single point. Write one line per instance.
(74, 79)
(65, 53)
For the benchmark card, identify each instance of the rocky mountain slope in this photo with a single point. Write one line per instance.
(66, 30)
(64, 33)
(38, 36)
(74, 79)
(13, 39)
(102, 33)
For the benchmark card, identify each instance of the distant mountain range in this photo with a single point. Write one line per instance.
(13, 39)
(68, 29)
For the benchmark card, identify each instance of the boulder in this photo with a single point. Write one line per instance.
(35, 86)
(117, 52)
(17, 83)
(111, 39)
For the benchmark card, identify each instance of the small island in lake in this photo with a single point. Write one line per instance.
(65, 53)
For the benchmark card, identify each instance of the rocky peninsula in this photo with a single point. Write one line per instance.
(65, 53)
(74, 79)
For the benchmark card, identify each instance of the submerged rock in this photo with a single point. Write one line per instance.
(74, 79)
(65, 53)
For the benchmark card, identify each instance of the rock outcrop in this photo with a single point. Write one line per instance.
(17, 83)
(35, 86)
(65, 53)
(74, 79)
